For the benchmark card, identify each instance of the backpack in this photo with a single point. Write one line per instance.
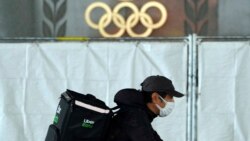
(80, 117)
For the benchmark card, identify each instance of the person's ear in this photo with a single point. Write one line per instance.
(155, 98)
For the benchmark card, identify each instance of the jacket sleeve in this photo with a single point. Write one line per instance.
(138, 127)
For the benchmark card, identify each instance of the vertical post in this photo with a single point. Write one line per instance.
(194, 87)
(189, 89)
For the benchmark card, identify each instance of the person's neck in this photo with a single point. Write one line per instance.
(152, 108)
(151, 112)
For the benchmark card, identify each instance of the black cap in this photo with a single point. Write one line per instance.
(160, 84)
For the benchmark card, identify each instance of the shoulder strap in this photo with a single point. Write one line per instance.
(115, 109)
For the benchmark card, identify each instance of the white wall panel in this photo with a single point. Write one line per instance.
(33, 75)
(224, 91)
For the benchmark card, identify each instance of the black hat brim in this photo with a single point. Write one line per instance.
(176, 94)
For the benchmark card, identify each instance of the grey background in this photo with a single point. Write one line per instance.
(234, 17)
(17, 18)
(23, 18)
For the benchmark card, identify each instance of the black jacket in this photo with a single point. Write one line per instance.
(133, 121)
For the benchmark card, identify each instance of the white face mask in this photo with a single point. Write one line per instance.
(165, 111)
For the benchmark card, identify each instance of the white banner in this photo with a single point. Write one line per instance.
(224, 91)
(32, 77)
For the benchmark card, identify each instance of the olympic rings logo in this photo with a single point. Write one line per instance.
(138, 15)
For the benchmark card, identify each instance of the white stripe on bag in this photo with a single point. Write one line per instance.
(90, 107)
